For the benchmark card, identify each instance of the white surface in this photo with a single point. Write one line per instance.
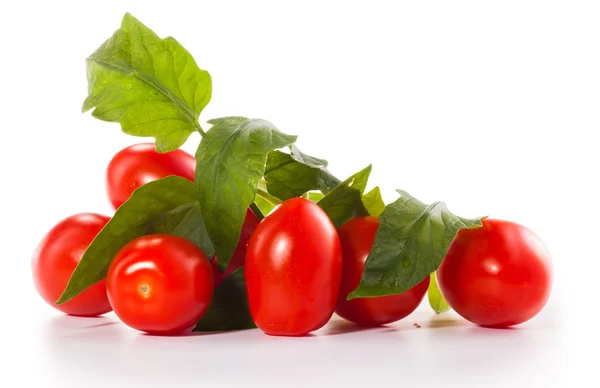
(489, 106)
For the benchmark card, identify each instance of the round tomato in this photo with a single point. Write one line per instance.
(160, 284)
(239, 256)
(498, 275)
(293, 269)
(56, 258)
(357, 236)
(139, 164)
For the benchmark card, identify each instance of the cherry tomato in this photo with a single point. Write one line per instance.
(357, 236)
(498, 275)
(293, 269)
(139, 164)
(239, 256)
(160, 284)
(56, 258)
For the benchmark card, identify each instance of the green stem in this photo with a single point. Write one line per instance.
(257, 211)
(268, 197)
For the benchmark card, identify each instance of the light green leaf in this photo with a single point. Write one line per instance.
(410, 243)
(314, 196)
(229, 307)
(436, 300)
(291, 175)
(373, 202)
(341, 202)
(168, 205)
(151, 86)
(230, 162)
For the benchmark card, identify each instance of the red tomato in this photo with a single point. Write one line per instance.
(498, 275)
(139, 164)
(293, 269)
(160, 284)
(239, 256)
(56, 258)
(357, 236)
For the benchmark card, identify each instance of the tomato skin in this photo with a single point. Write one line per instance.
(139, 164)
(496, 276)
(293, 269)
(160, 284)
(357, 236)
(239, 256)
(57, 256)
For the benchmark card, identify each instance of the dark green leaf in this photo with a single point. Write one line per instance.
(151, 86)
(230, 161)
(410, 243)
(229, 307)
(291, 175)
(373, 202)
(436, 300)
(168, 205)
(341, 202)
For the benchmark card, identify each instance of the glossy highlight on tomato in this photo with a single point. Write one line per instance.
(160, 284)
(357, 236)
(293, 269)
(139, 164)
(239, 256)
(498, 275)
(56, 258)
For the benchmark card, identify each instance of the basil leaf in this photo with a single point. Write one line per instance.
(341, 202)
(373, 202)
(291, 175)
(229, 307)
(265, 206)
(230, 162)
(151, 86)
(168, 205)
(314, 196)
(436, 300)
(410, 243)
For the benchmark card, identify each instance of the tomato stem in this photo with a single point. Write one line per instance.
(268, 197)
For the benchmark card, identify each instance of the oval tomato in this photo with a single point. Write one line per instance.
(357, 236)
(139, 164)
(56, 258)
(498, 275)
(293, 269)
(239, 255)
(160, 284)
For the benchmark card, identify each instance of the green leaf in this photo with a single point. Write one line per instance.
(264, 205)
(168, 205)
(291, 175)
(230, 162)
(436, 300)
(341, 202)
(314, 196)
(229, 307)
(410, 243)
(151, 86)
(373, 202)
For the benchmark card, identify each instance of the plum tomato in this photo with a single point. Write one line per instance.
(498, 275)
(293, 269)
(357, 236)
(139, 164)
(56, 258)
(160, 284)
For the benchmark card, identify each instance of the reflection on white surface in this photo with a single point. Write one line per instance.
(445, 349)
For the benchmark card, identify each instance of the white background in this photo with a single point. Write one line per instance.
(492, 107)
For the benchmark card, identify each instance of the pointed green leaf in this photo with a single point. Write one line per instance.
(168, 205)
(291, 175)
(373, 202)
(151, 86)
(436, 300)
(229, 307)
(341, 202)
(230, 162)
(410, 243)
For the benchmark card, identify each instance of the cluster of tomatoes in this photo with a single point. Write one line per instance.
(299, 269)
